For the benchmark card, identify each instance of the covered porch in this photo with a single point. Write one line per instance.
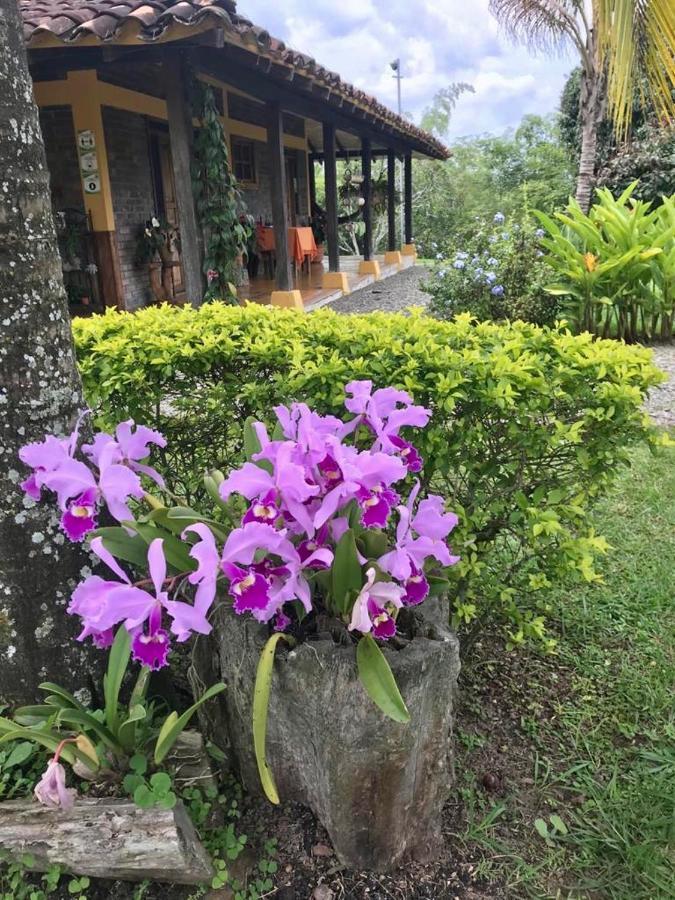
(114, 93)
(310, 284)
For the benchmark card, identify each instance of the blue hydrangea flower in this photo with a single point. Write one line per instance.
(498, 290)
(499, 218)
(458, 264)
(439, 256)
(492, 261)
(479, 270)
(539, 233)
(505, 235)
(493, 239)
(461, 255)
(490, 277)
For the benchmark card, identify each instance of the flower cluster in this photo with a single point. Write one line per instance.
(496, 274)
(322, 478)
(111, 475)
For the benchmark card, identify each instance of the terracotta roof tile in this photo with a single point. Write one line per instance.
(70, 20)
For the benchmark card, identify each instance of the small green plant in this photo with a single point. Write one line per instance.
(103, 742)
(17, 882)
(77, 887)
(551, 830)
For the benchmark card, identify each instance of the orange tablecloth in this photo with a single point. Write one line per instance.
(301, 242)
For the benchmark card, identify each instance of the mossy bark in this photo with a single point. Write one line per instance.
(40, 391)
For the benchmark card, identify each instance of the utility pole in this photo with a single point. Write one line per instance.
(396, 66)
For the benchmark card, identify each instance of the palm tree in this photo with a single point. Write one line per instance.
(617, 41)
(40, 391)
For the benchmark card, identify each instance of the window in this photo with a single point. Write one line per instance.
(243, 158)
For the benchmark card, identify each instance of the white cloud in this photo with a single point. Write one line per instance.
(438, 41)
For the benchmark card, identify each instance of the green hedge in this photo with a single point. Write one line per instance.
(529, 425)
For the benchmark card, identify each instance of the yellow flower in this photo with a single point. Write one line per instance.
(591, 262)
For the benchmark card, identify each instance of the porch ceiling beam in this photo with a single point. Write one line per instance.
(230, 65)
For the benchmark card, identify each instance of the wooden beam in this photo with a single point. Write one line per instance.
(376, 153)
(311, 175)
(176, 77)
(391, 200)
(366, 171)
(331, 198)
(407, 179)
(275, 144)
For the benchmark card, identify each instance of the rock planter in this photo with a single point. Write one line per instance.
(377, 786)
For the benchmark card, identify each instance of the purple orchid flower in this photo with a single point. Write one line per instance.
(372, 607)
(128, 447)
(406, 561)
(44, 457)
(264, 510)
(385, 411)
(287, 483)
(103, 604)
(262, 588)
(187, 618)
(51, 789)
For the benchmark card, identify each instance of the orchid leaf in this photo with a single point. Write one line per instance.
(177, 553)
(175, 724)
(347, 576)
(118, 661)
(374, 543)
(127, 730)
(261, 702)
(47, 739)
(34, 715)
(378, 680)
(122, 545)
(89, 723)
(59, 697)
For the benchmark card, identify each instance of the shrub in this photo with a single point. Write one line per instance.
(529, 425)
(616, 265)
(498, 274)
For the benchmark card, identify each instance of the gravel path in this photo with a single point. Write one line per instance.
(661, 402)
(393, 294)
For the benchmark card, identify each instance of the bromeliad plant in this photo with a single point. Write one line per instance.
(323, 523)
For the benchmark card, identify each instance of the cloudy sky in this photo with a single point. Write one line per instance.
(438, 41)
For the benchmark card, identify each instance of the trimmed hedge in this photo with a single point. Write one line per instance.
(529, 425)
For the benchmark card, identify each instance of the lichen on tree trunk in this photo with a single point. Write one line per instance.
(40, 391)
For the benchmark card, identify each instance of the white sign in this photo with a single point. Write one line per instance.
(92, 183)
(86, 140)
(89, 162)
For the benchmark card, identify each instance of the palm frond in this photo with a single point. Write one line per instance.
(637, 37)
(541, 24)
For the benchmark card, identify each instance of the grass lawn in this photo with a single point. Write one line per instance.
(566, 764)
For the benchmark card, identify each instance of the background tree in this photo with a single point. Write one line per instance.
(617, 41)
(524, 168)
(436, 117)
(40, 391)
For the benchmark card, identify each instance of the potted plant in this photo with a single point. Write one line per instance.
(321, 548)
(156, 244)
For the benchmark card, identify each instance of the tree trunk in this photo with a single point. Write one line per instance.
(40, 392)
(591, 111)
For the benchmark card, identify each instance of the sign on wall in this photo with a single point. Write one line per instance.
(91, 180)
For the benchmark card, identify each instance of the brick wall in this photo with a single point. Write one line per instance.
(258, 199)
(60, 146)
(132, 194)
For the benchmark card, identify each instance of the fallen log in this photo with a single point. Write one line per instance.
(106, 838)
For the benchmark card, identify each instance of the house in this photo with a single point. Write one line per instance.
(110, 78)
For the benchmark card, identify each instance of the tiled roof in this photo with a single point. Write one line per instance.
(80, 21)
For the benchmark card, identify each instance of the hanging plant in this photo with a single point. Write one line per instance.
(220, 208)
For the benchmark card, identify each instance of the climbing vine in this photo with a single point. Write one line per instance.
(219, 204)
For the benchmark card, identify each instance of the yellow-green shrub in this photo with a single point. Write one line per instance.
(529, 425)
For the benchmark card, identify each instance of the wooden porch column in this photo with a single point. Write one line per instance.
(369, 266)
(408, 246)
(284, 295)
(84, 96)
(176, 80)
(311, 175)
(330, 170)
(393, 256)
(333, 278)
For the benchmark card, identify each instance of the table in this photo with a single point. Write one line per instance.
(301, 243)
